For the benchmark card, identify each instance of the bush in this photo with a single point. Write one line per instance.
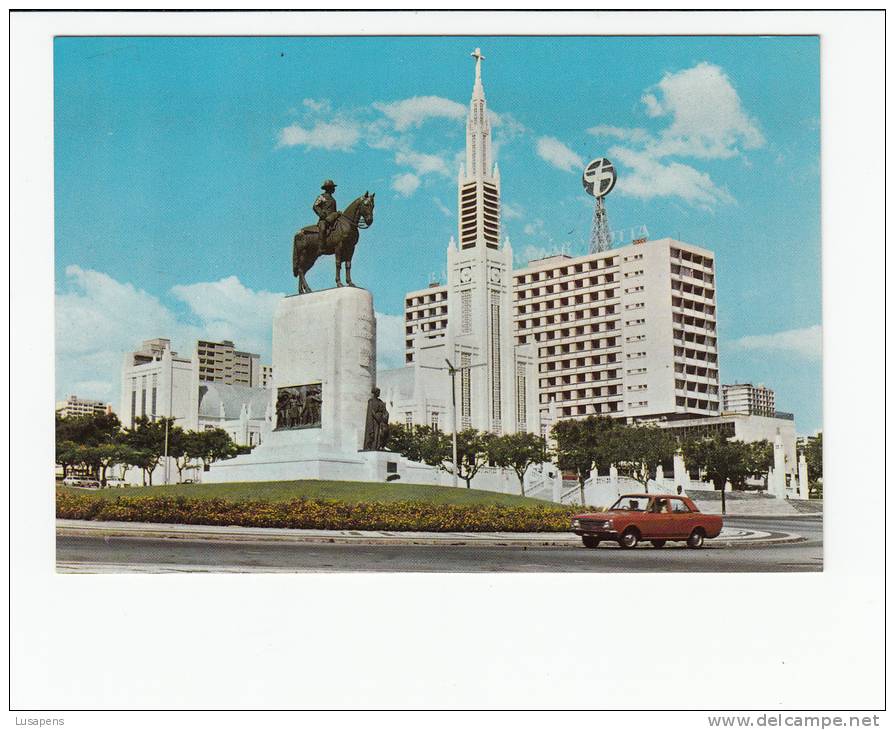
(317, 514)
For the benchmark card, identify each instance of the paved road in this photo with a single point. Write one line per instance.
(153, 555)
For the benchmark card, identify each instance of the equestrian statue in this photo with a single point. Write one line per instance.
(335, 234)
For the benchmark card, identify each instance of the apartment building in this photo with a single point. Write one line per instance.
(221, 362)
(74, 406)
(753, 400)
(629, 332)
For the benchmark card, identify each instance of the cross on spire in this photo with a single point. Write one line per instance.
(477, 55)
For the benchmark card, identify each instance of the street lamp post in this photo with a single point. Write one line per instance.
(452, 371)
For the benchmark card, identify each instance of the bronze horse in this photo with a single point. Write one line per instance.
(340, 241)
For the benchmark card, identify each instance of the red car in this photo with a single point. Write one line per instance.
(654, 517)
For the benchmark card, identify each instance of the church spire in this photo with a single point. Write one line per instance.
(479, 182)
(478, 127)
(478, 91)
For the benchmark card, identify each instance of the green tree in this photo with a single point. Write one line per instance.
(182, 449)
(212, 445)
(147, 442)
(67, 455)
(640, 449)
(517, 451)
(759, 459)
(585, 444)
(88, 430)
(723, 460)
(91, 440)
(472, 453)
(814, 457)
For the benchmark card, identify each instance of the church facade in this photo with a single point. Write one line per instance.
(468, 321)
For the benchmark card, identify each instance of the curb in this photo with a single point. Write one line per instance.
(85, 528)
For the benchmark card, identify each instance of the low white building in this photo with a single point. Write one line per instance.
(744, 427)
(74, 406)
(156, 382)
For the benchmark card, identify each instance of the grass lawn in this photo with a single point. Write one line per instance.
(347, 492)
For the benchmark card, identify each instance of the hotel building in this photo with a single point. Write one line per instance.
(629, 332)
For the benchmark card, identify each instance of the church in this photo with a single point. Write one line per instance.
(468, 321)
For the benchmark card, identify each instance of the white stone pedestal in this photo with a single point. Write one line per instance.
(326, 338)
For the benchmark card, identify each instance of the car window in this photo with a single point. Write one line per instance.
(679, 505)
(660, 506)
(631, 504)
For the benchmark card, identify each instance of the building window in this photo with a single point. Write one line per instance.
(433, 420)
(495, 363)
(408, 419)
(465, 391)
(466, 311)
(521, 405)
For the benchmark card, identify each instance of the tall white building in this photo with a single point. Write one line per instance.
(496, 392)
(629, 332)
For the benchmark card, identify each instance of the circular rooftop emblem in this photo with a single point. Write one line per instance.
(599, 177)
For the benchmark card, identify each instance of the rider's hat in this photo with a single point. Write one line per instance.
(328, 184)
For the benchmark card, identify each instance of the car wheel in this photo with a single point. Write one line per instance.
(629, 539)
(696, 539)
(657, 543)
(590, 541)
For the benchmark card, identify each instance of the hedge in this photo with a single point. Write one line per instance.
(317, 514)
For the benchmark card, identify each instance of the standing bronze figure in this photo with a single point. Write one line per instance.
(336, 234)
(376, 431)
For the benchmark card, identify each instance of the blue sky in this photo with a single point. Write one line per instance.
(183, 166)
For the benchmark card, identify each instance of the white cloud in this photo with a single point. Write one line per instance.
(806, 342)
(228, 310)
(705, 120)
(646, 177)
(447, 212)
(707, 117)
(557, 154)
(339, 135)
(406, 184)
(511, 210)
(421, 162)
(389, 341)
(414, 111)
(99, 319)
(317, 105)
(534, 228)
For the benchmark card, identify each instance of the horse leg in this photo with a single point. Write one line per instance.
(338, 271)
(303, 287)
(348, 273)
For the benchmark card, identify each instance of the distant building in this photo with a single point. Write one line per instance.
(74, 406)
(221, 362)
(743, 427)
(219, 387)
(753, 400)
